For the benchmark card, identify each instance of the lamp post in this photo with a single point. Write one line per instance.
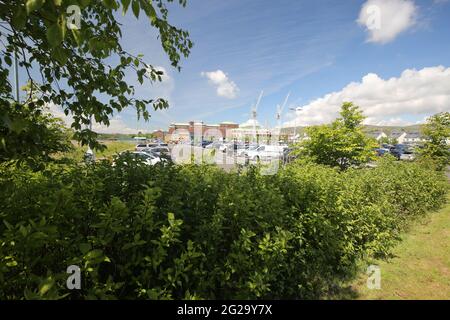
(295, 121)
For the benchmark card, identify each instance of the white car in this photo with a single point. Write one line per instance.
(158, 151)
(407, 156)
(242, 152)
(143, 146)
(147, 158)
(266, 152)
(223, 147)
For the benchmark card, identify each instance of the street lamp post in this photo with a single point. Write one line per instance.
(295, 121)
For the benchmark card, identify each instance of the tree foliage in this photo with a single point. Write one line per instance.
(83, 69)
(437, 133)
(341, 144)
(31, 134)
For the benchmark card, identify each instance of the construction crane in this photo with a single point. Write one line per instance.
(254, 113)
(280, 110)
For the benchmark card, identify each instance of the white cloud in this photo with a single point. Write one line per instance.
(386, 19)
(225, 87)
(116, 124)
(414, 93)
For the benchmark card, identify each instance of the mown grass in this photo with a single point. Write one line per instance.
(419, 268)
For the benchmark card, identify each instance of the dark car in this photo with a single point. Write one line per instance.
(381, 151)
(398, 150)
(205, 143)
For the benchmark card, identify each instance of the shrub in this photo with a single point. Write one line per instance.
(174, 232)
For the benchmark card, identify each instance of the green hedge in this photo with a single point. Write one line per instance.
(198, 232)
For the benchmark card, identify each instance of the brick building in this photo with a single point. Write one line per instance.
(198, 131)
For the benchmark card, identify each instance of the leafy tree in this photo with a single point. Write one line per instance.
(387, 140)
(437, 132)
(341, 144)
(31, 135)
(82, 68)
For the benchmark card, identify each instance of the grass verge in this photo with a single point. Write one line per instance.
(419, 268)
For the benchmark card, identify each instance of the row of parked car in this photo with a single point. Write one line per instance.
(400, 151)
(250, 151)
(149, 153)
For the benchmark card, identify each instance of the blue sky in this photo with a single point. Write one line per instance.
(307, 48)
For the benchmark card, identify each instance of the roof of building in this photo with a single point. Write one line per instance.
(413, 135)
(250, 123)
(228, 122)
(397, 134)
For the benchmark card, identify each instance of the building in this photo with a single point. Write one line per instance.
(250, 130)
(198, 131)
(160, 134)
(399, 136)
(414, 137)
(377, 135)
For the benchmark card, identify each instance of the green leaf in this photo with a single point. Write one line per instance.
(8, 60)
(125, 5)
(77, 36)
(33, 5)
(110, 4)
(55, 35)
(18, 125)
(136, 8)
(94, 44)
(57, 2)
(46, 286)
(19, 18)
(84, 247)
(84, 3)
(60, 55)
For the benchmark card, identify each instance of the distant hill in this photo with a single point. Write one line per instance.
(367, 128)
(390, 129)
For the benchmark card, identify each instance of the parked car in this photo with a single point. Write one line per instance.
(241, 152)
(223, 147)
(204, 144)
(146, 158)
(158, 151)
(142, 146)
(288, 155)
(381, 151)
(407, 155)
(213, 145)
(265, 152)
(402, 152)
